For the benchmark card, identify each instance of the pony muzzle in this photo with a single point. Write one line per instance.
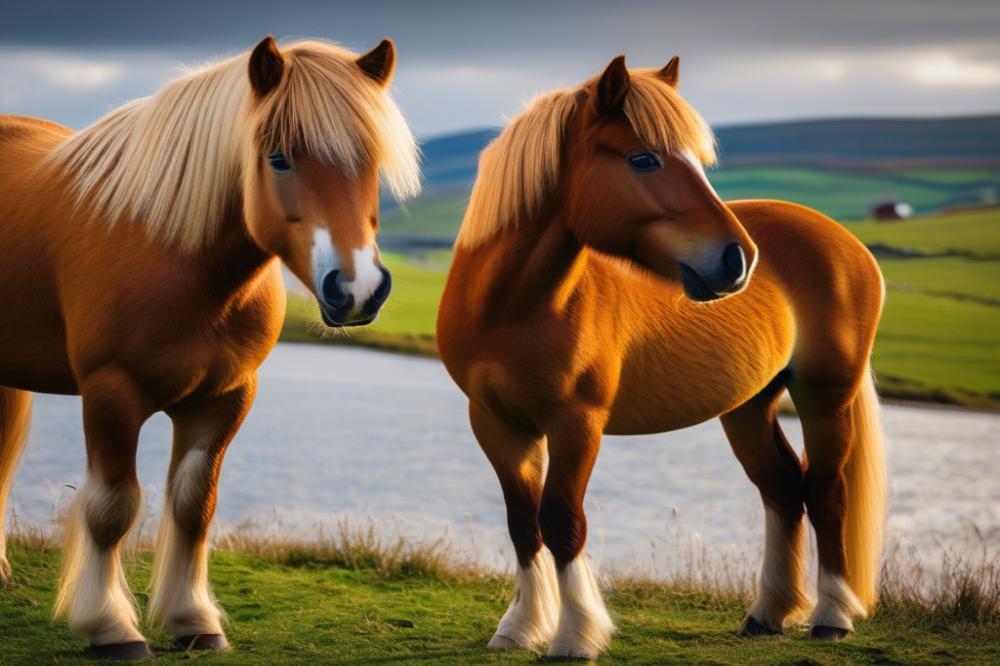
(717, 275)
(339, 298)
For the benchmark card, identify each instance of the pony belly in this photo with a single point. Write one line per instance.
(648, 402)
(630, 420)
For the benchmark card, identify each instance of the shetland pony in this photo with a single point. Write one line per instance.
(139, 268)
(599, 285)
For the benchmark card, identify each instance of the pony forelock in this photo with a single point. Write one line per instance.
(174, 161)
(519, 168)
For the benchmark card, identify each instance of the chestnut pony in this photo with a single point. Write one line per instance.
(139, 268)
(599, 285)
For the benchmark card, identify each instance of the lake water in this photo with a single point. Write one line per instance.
(340, 433)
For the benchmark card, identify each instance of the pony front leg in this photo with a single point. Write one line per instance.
(93, 593)
(585, 628)
(519, 459)
(182, 598)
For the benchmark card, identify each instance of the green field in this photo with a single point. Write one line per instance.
(975, 232)
(844, 194)
(940, 335)
(302, 609)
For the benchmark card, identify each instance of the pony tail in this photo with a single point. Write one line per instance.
(865, 477)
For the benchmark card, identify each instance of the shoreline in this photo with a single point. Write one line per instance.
(424, 346)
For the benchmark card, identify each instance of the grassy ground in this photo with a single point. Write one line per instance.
(364, 606)
(940, 335)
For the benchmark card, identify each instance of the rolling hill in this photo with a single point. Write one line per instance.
(837, 166)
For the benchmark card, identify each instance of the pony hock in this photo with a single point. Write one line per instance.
(201, 189)
(576, 305)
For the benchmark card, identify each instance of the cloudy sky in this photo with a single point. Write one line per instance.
(463, 65)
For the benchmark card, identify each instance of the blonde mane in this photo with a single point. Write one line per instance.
(175, 161)
(518, 169)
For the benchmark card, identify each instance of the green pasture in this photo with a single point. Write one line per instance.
(845, 194)
(974, 232)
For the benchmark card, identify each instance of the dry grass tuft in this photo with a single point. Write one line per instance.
(963, 587)
(356, 546)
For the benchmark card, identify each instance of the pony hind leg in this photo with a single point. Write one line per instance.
(585, 628)
(772, 465)
(519, 459)
(182, 598)
(93, 593)
(15, 417)
(845, 497)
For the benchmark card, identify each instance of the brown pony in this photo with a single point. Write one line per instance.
(139, 268)
(599, 285)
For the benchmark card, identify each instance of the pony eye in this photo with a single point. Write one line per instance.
(644, 162)
(279, 163)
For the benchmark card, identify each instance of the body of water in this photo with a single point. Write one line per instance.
(347, 433)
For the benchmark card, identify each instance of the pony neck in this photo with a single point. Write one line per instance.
(232, 256)
(540, 265)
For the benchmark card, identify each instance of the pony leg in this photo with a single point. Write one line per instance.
(585, 628)
(181, 597)
(519, 460)
(15, 416)
(772, 465)
(93, 593)
(845, 497)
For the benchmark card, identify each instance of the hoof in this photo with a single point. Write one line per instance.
(567, 653)
(134, 651)
(824, 633)
(215, 642)
(499, 642)
(751, 628)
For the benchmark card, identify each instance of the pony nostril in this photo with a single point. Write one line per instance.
(378, 297)
(735, 261)
(385, 287)
(332, 290)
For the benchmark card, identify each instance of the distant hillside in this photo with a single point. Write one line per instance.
(837, 166)
(866, 143)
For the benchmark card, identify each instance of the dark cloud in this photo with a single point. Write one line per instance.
(742, 60)
(443, 27)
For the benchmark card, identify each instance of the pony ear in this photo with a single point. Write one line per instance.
(671, 72)
(379, 63)
(613, 86)
(266, 66)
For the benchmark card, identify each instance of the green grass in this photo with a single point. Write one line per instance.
(287, 610)
(939, 344)
(976, 232)
(952, 276)
(846, 194)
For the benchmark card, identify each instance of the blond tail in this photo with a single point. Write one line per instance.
(865, 475)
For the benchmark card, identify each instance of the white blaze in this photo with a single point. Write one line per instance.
(367, 276)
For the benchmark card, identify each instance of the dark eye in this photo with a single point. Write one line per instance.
(644, 162)
(279, 163)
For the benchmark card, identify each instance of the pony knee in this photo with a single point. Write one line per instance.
(108, 510)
